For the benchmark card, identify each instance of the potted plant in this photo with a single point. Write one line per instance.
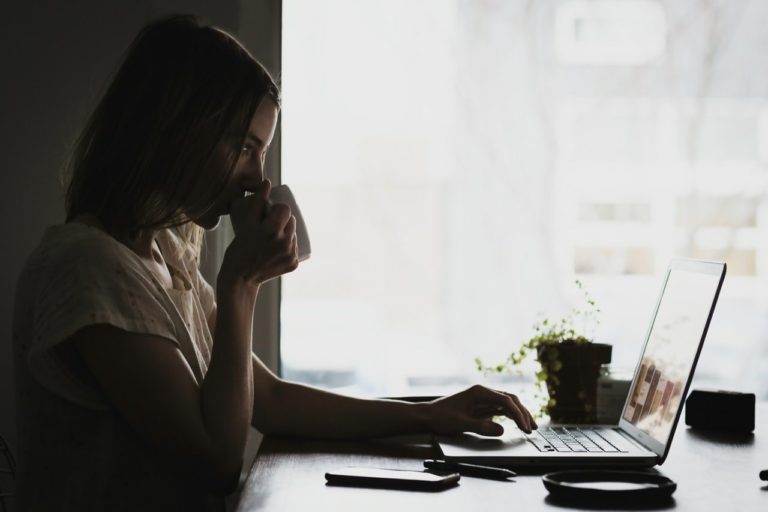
(570, 363)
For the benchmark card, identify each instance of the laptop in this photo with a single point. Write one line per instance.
(652, 409)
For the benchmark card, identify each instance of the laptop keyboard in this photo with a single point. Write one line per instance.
(571, 439)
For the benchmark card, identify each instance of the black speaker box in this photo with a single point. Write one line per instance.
(720, 410)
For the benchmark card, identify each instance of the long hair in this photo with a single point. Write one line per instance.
(146, 158)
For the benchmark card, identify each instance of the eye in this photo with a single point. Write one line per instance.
(246, 150)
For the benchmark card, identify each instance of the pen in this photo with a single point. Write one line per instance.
(764, 475)
(470, 469)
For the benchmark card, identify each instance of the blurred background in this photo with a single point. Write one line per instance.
(460, 163)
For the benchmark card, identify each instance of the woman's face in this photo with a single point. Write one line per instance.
(249, 167)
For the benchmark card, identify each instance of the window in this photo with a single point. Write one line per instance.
(609, 31)
(460, 163)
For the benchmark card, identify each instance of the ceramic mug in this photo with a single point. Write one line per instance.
(282, 194)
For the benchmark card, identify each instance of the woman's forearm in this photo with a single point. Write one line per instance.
(292, 409)
(227, 391)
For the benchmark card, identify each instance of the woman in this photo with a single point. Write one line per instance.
(136, 386)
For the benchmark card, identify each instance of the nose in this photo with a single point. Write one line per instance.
(252, 177)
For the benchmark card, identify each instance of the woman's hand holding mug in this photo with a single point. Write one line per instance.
(265, 244)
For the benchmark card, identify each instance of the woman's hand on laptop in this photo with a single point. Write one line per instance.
(473, 409)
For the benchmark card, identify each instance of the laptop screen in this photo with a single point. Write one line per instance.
(670, 352)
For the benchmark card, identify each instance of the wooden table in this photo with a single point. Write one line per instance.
(714, 472)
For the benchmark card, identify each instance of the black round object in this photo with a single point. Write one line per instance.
(608, 486)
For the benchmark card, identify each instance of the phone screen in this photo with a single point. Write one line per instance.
(397, 474)
(393, 478)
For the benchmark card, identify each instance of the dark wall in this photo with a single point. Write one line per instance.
(56, 59)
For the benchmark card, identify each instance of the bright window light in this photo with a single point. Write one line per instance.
(459, 164)
(619, 32)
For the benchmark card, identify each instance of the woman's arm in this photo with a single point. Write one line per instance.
(150, 383)
(291, 409)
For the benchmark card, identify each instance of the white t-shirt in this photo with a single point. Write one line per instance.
(76, 452)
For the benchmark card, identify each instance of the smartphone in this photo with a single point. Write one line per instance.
(391, 479)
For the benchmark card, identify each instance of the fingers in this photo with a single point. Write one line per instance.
(505, 404)
(290, 246)
(278, 217)
(294, 251)
(487, 428)
(522, 408)
(246, 212)
(283, 226)
(265, 245)
(259, 189)
(263, 190)
(289, 230)
(275, 216)
(515, 410)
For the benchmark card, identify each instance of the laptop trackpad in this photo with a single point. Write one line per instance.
(469, 444)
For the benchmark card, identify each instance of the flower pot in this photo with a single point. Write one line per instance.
(572, 370)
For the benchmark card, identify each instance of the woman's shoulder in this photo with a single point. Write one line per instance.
(74, 246)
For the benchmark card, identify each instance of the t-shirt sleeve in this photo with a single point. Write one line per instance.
(100, 286)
